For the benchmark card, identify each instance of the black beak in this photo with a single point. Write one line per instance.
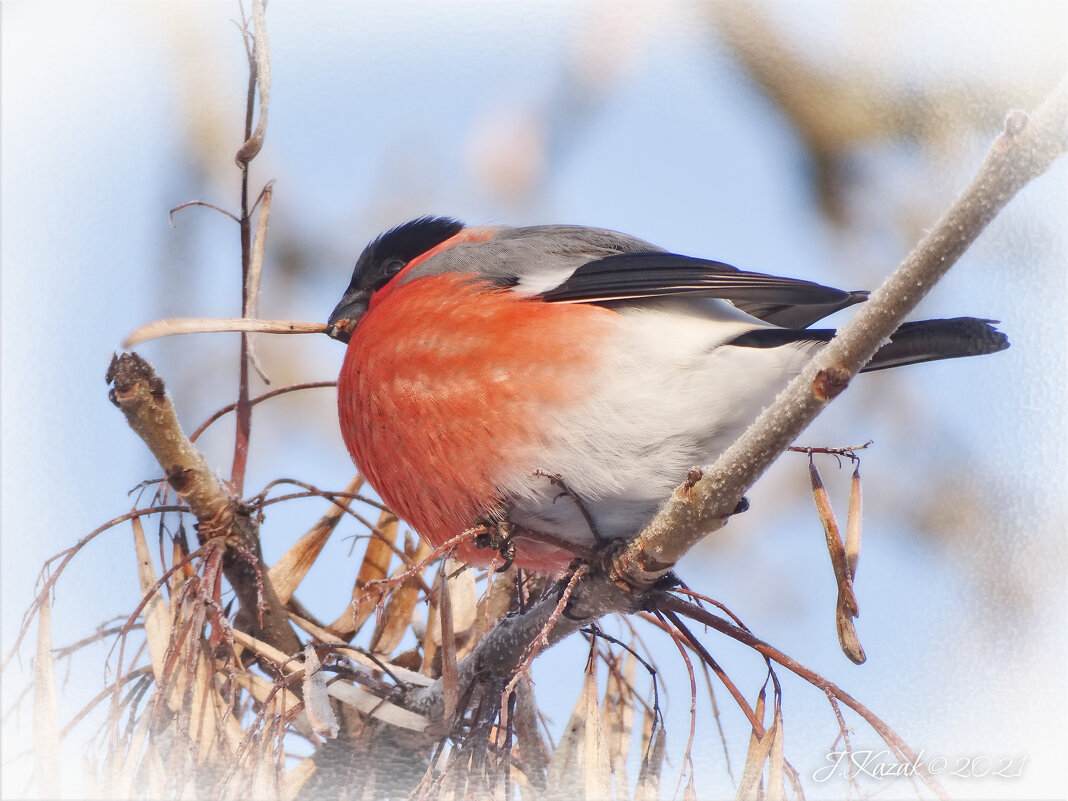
(347, 313)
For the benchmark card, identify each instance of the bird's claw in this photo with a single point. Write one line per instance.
(497, 535)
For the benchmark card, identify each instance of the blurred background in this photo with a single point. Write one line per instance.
(814, 140)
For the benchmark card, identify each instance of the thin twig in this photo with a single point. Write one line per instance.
(674, 605)
(259, 399)
(47, 581)
(259, 78)
(203, 203)
(172, 326)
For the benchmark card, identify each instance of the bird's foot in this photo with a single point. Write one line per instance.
(498, 536)
(557, 480)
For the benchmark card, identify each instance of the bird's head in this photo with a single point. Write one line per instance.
(381, 262)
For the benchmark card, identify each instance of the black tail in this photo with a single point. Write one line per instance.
(930, 340)
(912, 343)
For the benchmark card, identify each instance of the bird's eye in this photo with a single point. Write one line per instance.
(392, 267)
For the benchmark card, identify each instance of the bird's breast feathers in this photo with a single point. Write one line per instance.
(445, 389)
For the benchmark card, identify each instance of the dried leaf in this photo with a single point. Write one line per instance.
(180, 575)
(255, 271)
(532, 749)
(199, 727)
(752, 775)
(565, 770)
(45, 709)
(316, 702)
(404, 674)
(596, 763)
(654, 740)
(211, 723)
(500, 594)
(156, 613)
(263, 768)
(375, 566)
(843, 560)
(449, 681)
(205, 696)
(463, 595)
(371, 704)
(320, 634)
(359, 699)
(398, 612)
(459, 602)
(618, 713)
(853, 524)
(759, 748)
(287, 573)
(832, 535)
(261, 55)
(848, 639)
(430, 648)
(263, 649)
(776, 760)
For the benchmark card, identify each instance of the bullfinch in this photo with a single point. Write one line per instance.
(557, 382)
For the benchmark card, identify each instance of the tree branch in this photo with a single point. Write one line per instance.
(1022, 152)
(140, 394)
(259, 78)
(500, 653)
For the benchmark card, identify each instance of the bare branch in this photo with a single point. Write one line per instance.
(259, 399)
(502, 650)
(1022, 152)
(204, 203)
(259, 78)
(210, 325)
(140, 394)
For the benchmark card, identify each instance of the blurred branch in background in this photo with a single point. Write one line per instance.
(840, 103)
(516, 150)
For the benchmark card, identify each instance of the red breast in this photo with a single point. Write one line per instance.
(447, 389)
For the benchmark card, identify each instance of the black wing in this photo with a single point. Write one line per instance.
(787, 302)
